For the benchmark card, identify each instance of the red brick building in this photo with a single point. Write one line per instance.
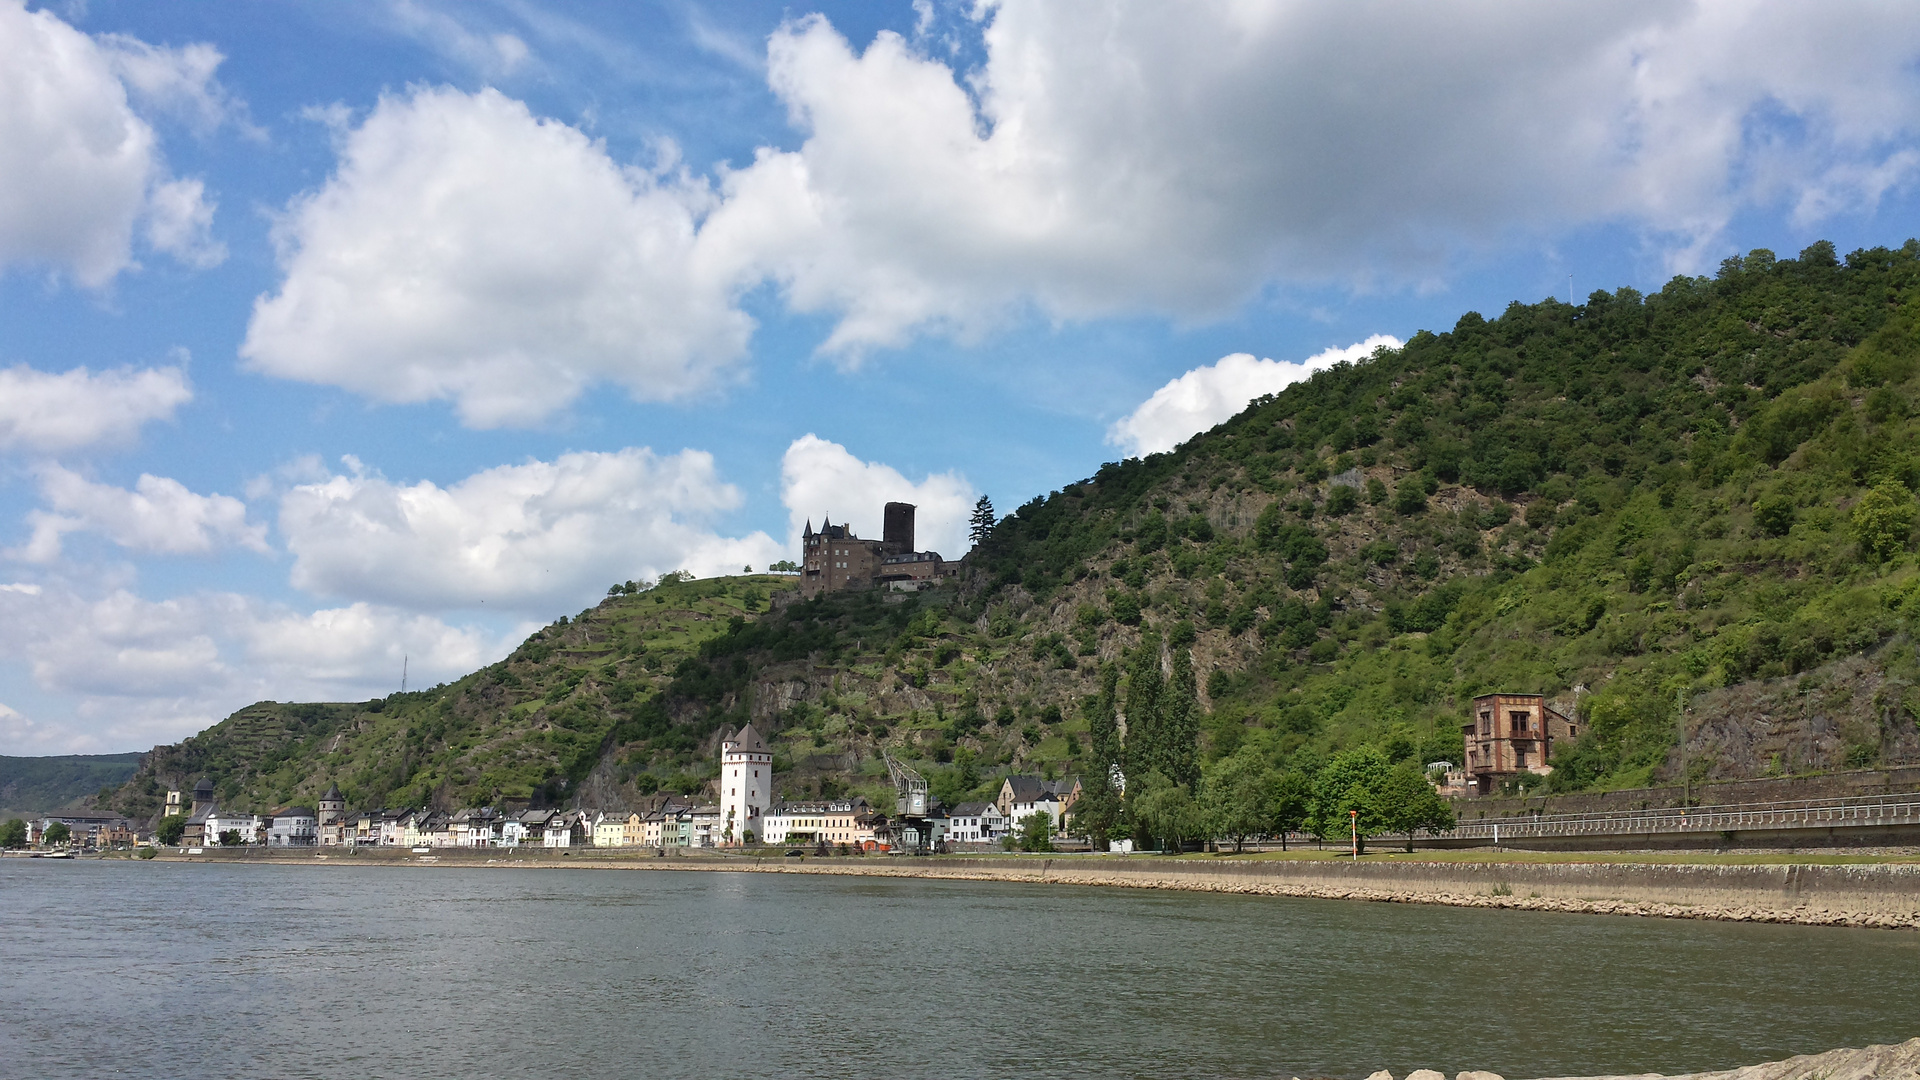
(1512, 734)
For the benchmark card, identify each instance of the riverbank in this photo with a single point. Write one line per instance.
(1900, 1061)
(1882, 893)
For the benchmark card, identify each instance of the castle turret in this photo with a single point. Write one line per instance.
(746, 785)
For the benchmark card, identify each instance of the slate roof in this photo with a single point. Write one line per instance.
(748, 741)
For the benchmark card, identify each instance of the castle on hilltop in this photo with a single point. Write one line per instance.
(834, 558)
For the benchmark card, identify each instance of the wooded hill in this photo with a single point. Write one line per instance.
(1704, 492)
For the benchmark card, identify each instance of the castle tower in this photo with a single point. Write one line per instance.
(176, 805)
(897, 528)
(332, 806)
(746, 784)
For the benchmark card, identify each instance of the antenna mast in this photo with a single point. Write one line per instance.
(403, 672)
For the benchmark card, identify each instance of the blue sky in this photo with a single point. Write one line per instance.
(337, 335)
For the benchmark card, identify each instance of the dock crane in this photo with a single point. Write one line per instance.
(915, 830)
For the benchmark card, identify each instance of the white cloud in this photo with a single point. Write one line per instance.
(490, 55)
(128, 672)
(1170, 160)
(819, 479)
(1205, 396)
(51, 413)
(1177, 158)
(465, 250)
(79, 169)
(160, 515)
(177, 82)
(535, 538)
(180, 223)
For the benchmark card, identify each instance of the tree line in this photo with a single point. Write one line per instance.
(1147, 782)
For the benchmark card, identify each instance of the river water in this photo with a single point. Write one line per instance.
(195, 970)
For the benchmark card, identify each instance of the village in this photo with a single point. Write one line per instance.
(1509, 734)
(745, 816)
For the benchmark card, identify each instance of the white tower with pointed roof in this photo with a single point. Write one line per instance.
(746, 785)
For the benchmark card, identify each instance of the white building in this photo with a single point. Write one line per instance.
(746, 786)
(295, 826)
(1024, 796)
(813, 822)
(220, 823)
(975, 823)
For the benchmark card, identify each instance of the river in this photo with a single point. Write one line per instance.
(174, 969)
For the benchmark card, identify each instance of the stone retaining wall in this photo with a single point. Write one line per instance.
(1868, 895)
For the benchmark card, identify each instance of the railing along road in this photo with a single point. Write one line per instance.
(1859, 812)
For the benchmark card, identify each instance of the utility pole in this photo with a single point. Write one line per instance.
(403, 673)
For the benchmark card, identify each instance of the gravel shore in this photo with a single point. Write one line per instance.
(1897, 1062)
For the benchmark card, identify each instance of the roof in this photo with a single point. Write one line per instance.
(746, 741)
(205, 785)
(970, 809)
(292, 811)
(1028, 789)
(333, 793)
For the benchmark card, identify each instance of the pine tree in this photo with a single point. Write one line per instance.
(980, 526)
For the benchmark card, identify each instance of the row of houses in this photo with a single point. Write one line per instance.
(665, 822)
(84, 831)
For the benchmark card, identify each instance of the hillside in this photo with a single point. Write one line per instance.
(531, 727)
(39, 784)
(1706, 492)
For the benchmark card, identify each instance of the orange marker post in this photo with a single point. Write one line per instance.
(1353, 816)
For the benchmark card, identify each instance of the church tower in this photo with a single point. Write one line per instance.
(746, 785)
(203, 798)
(332, 806)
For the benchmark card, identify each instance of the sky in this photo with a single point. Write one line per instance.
(337, 340)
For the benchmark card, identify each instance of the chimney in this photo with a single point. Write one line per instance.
(898, 532)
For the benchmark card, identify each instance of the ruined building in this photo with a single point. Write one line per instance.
(834, 558)
(1512, 734)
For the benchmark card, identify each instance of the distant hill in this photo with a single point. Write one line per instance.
(1706, 493)
(42, 784)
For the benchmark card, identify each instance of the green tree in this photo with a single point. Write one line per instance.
(980, 525)
(1341, 499)
(56, 834)
(230, 838)
(13, 833)
(1099, 810)
(1289, 799)
(1883, 519)
(1774, 514)
(1036, 832)
(171, 829)
(1235, 797)
(1166, 811)
(1180, 723)
(1408, 803)
(1145, 687)
(1351, 782)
